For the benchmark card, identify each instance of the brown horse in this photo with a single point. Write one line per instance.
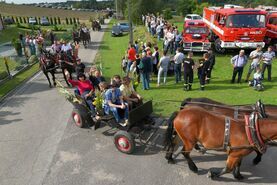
(195, 124)
(238, 111)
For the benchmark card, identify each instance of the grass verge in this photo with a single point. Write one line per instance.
(167, 98)
(17, 80)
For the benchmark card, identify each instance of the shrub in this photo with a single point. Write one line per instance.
(78, 21)
(55, 20)
(74, 20)
(70, 20)
(66, 20)
(16, 20)
(59, 20)
(24, 20)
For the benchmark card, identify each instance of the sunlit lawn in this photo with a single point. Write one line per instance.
(167, 98)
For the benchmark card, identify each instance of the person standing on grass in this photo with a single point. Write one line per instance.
(163, 68)
(256, 57)
(267, 59)
(131, 56)
(156, 58)
(212, 63)
(204, 71)
(170, 41)
(145, 69)
(238, 62)
(178, 60)
(188, 71)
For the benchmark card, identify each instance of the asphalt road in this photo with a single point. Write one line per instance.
(39, 144)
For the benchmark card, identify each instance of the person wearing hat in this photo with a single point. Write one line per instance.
(116, 105)
(238, 62)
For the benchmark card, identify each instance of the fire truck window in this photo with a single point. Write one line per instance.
(273, 20)
(246, 21)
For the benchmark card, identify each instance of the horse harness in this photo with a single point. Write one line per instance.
(252, 131)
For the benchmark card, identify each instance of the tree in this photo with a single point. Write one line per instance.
(70, 21)
(186, 7)
(66, 20)
(199, 8)
(74, 20)
(59, 20)
(141, 7)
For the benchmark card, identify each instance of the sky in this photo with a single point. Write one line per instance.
(33, 1)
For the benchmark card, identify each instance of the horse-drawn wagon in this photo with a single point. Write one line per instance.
(139, 121)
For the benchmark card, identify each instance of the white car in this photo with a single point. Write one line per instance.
(32, 20)
(193, 17)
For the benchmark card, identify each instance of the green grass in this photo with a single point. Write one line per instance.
(13, 65)
(167, 98)
(8, 33)
(18, 79)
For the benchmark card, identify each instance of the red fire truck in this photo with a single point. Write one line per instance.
(235, 27)
(271, 32)
(195, 36)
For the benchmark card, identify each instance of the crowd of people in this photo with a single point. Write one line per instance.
(148, 60)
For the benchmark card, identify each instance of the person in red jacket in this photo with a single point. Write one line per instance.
(131, 56)
(86, 91)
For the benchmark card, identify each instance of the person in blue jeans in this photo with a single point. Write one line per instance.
(145, 68)
(178, 60)
(115, 104)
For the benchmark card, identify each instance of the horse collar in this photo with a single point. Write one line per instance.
(253, 132)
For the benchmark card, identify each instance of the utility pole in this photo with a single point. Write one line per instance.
(130, 22)
(116, 9)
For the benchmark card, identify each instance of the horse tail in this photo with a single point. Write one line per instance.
(184, 103)
(170, 129)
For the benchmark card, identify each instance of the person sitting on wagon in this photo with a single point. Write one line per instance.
(95, 78)
(129, 94)
(114, 103)
(117, 80)
(86, 91)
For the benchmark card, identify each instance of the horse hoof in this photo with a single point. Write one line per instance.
(239, 177)
(170, 161)
(212, 175)
(193, 168)
(256, 161)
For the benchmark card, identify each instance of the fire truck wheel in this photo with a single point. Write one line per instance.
(218, 47)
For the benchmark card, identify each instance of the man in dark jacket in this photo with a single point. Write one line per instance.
(204, 71)
(212, 63)
(145, 67)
